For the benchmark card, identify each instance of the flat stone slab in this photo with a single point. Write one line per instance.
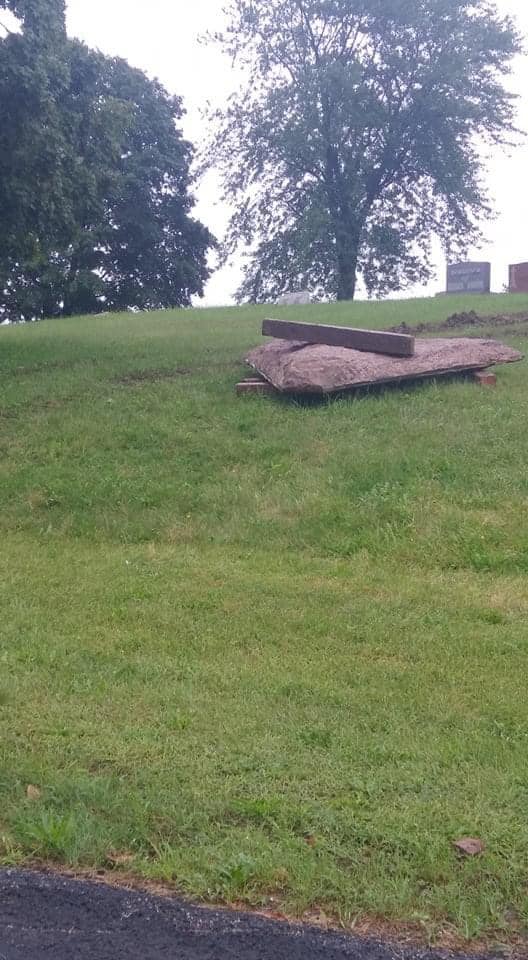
(295, 367)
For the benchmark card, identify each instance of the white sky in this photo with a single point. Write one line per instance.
(160, 36)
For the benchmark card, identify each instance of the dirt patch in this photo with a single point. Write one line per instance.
(150, 376)
(467, 319)
(36, 403)
(158, 375)
(47, 366)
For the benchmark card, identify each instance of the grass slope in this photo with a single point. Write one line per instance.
(264, 650)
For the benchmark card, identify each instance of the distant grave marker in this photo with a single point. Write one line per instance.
(471, 277)
(300, 299)
(519, 278)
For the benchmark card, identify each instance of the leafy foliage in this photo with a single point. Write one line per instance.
(95, 196)
(356, 137)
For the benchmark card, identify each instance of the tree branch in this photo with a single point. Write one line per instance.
(9, 33)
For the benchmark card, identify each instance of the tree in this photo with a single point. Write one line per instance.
(95, 199)
(42, 18)
(357, 137)
(34, 195)
(135, 242)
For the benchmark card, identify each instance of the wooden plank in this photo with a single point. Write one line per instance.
(485, 378)
(371, 341)
(255, 388)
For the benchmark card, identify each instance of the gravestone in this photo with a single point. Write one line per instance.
(519, 278)
(300, 299)
(471, 277)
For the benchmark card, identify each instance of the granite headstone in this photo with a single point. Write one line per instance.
(300, 299)
(519, 278)
(471, 277)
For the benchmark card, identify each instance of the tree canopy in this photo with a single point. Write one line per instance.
(358, 137)
(95, 200)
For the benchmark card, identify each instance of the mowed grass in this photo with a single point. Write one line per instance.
(265, 652)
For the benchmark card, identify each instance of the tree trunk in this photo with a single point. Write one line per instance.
(346, 287)
(345, 227)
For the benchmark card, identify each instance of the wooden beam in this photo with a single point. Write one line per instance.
(371, 341)
(485, 378)
(255, 387)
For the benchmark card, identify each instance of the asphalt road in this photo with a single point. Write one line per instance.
(46, 916)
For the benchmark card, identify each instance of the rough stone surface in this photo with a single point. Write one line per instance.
(294, 367)
(300, 299)
(470, 846)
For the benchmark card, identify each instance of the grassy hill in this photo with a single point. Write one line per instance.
(265, 652)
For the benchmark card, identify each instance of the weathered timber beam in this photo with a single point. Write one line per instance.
(371, 341)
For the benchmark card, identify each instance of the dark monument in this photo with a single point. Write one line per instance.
(519, 278)
(468, 277)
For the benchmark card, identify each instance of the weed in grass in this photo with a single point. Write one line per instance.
(50, 836)
(262, 810)
(489, 616)
(312, 737)
(179, 722)
(236, 875)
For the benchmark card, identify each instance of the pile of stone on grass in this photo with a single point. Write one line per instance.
(304, 358)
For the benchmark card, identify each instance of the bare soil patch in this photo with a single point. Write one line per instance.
(150, 376)
(468, 319)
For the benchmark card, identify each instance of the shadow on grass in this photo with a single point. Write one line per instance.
(411, 385)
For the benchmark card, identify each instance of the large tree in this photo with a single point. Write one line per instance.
(95, 201)
(358, 136)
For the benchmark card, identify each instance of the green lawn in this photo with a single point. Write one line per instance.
(278, 654)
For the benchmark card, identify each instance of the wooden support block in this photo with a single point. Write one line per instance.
(255, 388)
(371, 341)
(485, 378)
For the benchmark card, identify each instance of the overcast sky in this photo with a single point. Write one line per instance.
(160, 36)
